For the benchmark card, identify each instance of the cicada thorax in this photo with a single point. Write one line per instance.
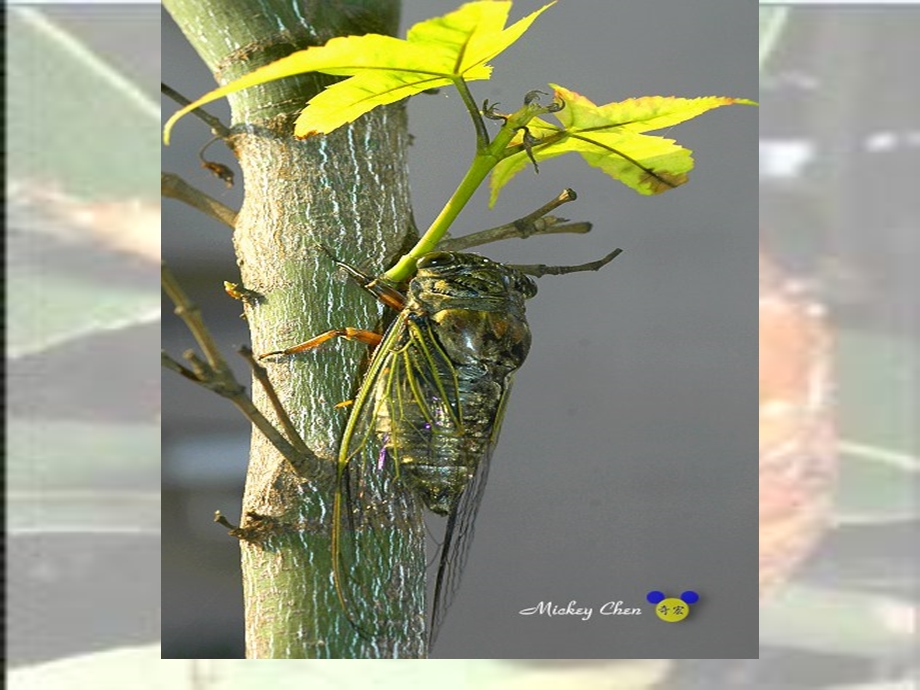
(440, 402)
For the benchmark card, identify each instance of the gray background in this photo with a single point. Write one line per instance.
(628, 459)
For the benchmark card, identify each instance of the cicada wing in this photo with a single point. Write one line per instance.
(458, 537)
(423, 393)
(408, 403)
(377, 524)
(458, 534)
(379, 529)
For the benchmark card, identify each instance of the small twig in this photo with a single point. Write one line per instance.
(219, 128)
(565, 196)
(238, 292)
(539, 270)
(535, 223)
(215, 375)
(221, 520)
(261, 376)
(257, 529)
(191, 315)
(169, 363)
(174, 187)
(217, 169)
(550, 225)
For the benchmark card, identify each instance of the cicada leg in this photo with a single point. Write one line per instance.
(386, 294)
(357, 334)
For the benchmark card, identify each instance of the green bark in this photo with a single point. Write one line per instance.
(349, 192)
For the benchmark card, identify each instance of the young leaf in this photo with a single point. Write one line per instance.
(610, 137)
(436, 52)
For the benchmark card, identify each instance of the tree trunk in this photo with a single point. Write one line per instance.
(347, 191)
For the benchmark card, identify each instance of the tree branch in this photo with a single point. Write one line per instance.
(215, 375)
(539, 270)
(550, 225)
(174, 187)
(310, 193)
(261, 376)
(217, 127)
(535, 223)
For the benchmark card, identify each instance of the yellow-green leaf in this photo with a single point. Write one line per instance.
(348, 100)
(382, 69)
(471, 35)
(610, 137)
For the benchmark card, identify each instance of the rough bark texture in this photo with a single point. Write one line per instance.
(349, 192)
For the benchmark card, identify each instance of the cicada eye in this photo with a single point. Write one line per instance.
(435, 259)
(526, 287)
(518, 283)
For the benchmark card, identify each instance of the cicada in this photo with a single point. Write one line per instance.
(428, 413)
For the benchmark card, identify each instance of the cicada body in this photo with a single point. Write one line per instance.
(428, 415)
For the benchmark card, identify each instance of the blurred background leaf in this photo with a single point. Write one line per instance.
(83, 392)
(877, 376)
(907, 684)
(57, 454)
(45, 309)
(86, 511)
(77, 125)
(874, 487)
(73, 117)
(830, 212)
(772, 20)
(68, 476)
(141, 668)
(837, 621)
